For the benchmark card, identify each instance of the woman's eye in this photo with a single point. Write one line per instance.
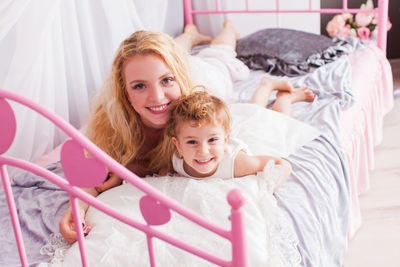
(168, 80)
(138, 86)
(191, 142)
(213, 139)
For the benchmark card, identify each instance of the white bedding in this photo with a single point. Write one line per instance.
(267, 132)
(271, 241)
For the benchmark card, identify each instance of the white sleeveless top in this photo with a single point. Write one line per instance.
(226, 166)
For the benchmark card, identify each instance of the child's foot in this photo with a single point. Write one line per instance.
(197, 38)
(229, 25)
(299, 95)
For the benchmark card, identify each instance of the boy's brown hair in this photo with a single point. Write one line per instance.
(199, 108)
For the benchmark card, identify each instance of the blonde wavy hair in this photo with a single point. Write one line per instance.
(114, 125)
(199, 108)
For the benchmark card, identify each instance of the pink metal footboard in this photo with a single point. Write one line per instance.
(83, 171)
(382, 10)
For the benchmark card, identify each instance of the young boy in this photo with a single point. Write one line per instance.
(199, 127)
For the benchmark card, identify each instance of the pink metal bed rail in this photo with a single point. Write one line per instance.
(381, 10)
(82, 171)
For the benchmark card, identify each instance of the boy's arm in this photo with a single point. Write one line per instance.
(247, 165)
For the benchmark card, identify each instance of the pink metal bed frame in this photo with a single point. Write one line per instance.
(382, 10)
(155, 207)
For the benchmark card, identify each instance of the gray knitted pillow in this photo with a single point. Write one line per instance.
(286, 52)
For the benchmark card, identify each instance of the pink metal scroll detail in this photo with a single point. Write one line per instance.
(153, 212)
(9, 125)
(79, 169)
(7, 119)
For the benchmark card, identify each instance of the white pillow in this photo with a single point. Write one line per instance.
(268, 132)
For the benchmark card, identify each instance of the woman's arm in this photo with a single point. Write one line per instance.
(67, 226)
(112, 181)
(247, 165)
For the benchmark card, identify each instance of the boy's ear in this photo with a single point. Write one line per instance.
(177, 145)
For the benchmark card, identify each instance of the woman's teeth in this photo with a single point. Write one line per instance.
(159, 108)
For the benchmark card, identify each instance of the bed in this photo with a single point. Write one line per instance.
(329, 143)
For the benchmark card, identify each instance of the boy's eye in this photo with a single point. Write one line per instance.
(213, 139)
(191, 142)
(138, 86)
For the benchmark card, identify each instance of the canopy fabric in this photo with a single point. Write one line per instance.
(58, 53)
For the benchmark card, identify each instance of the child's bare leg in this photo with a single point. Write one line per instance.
(228, 36)
(191, 37)
(267, 85)
(284, 100)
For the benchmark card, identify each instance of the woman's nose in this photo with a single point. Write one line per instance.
(157, 93)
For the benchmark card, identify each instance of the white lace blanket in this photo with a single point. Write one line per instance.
(270, 239)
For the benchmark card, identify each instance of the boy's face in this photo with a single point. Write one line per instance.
(202, 147)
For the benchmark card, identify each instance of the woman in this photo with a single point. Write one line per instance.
(150, 72)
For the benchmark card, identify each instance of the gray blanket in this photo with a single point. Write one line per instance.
(316, 197)
(40, 205)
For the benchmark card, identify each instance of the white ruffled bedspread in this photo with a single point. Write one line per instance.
(270, 237)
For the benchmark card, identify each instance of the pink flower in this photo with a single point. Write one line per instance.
(353, 32)
(363, 19)
(362, 25)
(363, 33)
(347, 16)
(335, 25)
(344, 32)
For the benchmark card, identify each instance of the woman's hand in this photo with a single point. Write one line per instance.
(67, 226)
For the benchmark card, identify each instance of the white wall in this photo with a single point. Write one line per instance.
(248, 23)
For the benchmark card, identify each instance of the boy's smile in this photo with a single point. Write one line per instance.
(202, 147)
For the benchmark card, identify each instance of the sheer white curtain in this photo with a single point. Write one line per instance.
(58, 53)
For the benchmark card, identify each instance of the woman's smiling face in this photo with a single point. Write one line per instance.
(151, 88)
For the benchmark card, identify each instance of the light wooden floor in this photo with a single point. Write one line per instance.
(377, 243)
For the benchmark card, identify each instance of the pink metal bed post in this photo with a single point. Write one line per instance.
(187, 6)
(383, 8)
(239, 249)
